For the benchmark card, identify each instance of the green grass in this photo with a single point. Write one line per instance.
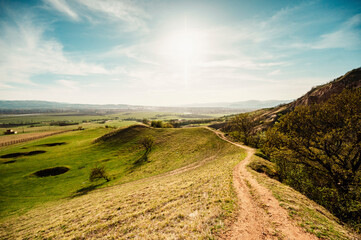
(46, 127)
(174, 148)
(190, 203)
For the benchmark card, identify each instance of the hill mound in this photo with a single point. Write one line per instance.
(119, 151)
(122, 134)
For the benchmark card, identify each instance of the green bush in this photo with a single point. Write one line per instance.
(263, 166)
(156, 124)
(98, 173)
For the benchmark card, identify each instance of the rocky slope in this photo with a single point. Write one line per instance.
(319, 94)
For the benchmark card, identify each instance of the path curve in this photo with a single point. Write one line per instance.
(260, 216)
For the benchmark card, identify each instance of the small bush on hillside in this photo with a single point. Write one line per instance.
(263, 166)
(156, 124)
(160, 124)
(262, 155)
(98, 173)
(167, 125)
(147, 142)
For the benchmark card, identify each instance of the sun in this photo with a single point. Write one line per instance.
(183, 45)
(183, 50)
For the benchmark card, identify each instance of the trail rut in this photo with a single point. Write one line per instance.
(260, 216)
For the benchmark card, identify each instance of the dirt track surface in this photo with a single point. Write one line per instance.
(260, 216)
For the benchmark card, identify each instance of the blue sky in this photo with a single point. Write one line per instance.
(174, 52)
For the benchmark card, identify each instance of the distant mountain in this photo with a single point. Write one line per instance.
(249, 105)
(30, 107)
(319, 94)
(29, 104)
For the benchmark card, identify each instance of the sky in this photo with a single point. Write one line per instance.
(169, 53)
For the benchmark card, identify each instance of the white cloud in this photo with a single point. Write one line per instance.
(348, 36)
(275, 72)
(63, 7)
(25, 53)
(5, 86)
(68, 84)
(94, 10)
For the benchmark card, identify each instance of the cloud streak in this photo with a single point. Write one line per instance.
(63, 7)
(132, 16)
(348, 36)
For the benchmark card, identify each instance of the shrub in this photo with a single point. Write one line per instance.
(263, 166)
(97, 173)
(147, 142)
(157, 124)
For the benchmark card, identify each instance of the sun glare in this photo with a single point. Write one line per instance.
(182, 49)
(183, 45)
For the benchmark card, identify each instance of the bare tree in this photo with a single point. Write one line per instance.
(97, 173)
(147, 142)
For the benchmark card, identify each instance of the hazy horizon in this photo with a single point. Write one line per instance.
(170, 53)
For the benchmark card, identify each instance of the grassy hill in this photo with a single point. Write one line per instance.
(184, 188)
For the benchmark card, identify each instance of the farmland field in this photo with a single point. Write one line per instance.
(31, 123)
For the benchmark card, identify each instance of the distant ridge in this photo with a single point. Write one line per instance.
(319, 94)
(250, 104)
(32, 104)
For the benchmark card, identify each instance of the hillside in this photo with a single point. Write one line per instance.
(183, 191)
(79, 151)
(319, 94)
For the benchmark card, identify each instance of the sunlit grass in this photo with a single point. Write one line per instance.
(185, 205)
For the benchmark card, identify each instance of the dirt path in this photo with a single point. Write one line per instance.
(260, 216)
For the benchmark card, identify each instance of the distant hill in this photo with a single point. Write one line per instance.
(29, 104)
(319, 94)
(249, 105)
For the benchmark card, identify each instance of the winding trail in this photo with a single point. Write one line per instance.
(260, 216)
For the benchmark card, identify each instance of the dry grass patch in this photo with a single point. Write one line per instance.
(309, 215)
(189, 204)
